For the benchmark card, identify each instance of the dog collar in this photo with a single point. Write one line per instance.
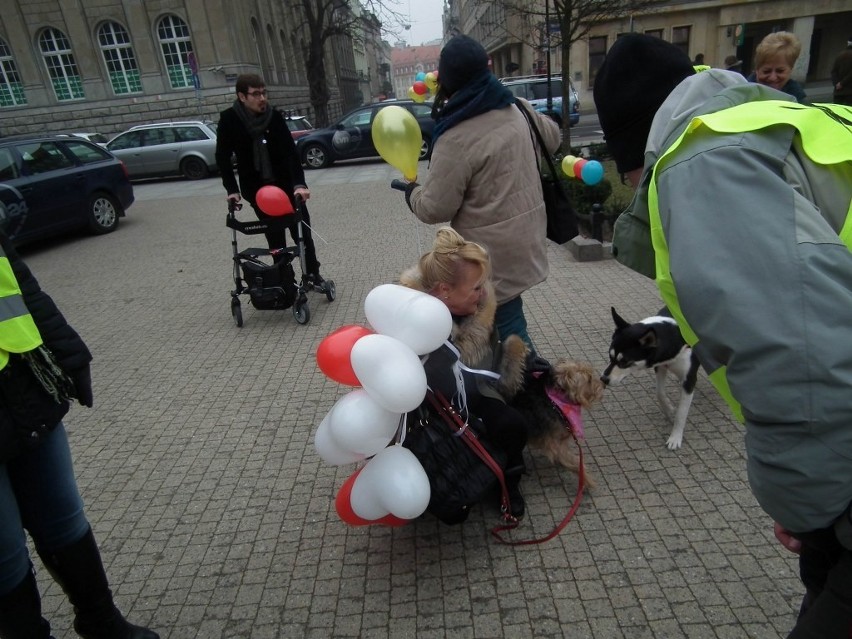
(571, 412)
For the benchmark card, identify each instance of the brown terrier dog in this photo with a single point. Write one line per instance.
(536, 396)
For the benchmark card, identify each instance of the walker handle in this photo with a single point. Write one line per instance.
(399, 185)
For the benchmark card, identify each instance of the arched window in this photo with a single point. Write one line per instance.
(274, 55)
(11, 88)
(286, 58)
(59, 60)
(176, 44)
(119, 59)
(259, 49)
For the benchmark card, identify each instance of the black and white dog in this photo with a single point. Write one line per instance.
(655, 342)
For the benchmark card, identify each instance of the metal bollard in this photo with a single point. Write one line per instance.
(597, 218)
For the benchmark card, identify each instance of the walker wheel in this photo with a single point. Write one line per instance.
(237, 311)
(330, 290)
(301, 312)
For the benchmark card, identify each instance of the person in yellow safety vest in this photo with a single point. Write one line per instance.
(742, 214)
(43, 365)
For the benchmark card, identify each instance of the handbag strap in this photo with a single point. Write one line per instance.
(541, 144)
(440, 403)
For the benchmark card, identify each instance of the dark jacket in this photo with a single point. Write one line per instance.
(26, 410)
(233, 137)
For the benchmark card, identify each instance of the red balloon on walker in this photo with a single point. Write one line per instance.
(274, 201)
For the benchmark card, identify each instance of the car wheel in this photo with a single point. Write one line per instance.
(194, 168)
(103, 213)
(426, 148)
(314, 156)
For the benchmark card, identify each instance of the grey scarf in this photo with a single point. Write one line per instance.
(256, 126)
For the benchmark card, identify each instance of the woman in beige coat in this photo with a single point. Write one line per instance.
(483, 177)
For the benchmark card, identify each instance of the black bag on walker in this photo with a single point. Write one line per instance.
(270, 286)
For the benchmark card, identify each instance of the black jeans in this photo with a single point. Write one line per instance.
(825, 567)
(278, 239)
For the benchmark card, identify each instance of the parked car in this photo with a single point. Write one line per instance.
(351, 136)
(167, 148)
(533, 88)
(298, 125)
(52, 184)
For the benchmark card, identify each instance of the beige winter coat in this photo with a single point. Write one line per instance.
(483, 179)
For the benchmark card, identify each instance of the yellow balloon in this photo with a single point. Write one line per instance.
(431, 82)
(568, 165)
(397, 138)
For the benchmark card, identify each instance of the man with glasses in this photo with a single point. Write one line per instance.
(258, 135)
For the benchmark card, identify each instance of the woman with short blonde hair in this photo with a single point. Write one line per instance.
(774, 60)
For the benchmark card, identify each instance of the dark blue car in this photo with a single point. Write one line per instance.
(351, 136)
(53, 184)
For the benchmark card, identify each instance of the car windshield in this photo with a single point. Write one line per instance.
(539, 89)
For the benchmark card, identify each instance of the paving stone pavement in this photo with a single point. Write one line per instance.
(216, 516)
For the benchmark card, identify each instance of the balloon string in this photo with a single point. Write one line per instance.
(311, 228)
(461, 394)
(402, 428)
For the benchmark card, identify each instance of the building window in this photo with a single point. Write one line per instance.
(59, 60)
(597, 51)
(655, 33)
(119, 59)
(680, 38)
(11, 88)
(176, 45)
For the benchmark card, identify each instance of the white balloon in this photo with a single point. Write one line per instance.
(359, 423)
(419, 320)
(389, 371)
(329, 450)
(392, 482)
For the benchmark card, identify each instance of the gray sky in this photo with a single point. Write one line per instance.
(425, 20)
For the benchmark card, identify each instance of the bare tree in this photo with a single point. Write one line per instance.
(319, 22)
(554, 23)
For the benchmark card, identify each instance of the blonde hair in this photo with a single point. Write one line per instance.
(781, 43)
(449, 250)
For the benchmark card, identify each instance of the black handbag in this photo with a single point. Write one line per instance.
(561, 220)
(462, 467)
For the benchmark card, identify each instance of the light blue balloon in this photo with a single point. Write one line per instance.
(420, 77)
(592, 173)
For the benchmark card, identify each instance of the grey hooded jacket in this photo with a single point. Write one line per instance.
(765, 283)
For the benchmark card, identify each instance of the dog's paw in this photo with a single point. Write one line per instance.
(674, 441)
(668, 410)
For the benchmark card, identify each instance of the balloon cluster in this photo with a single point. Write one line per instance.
(424, 84)
(590, 171)
(384, 361)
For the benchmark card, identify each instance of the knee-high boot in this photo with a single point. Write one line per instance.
(20, 612)
(79, 570)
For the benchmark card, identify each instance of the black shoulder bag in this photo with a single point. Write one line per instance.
(561, 221)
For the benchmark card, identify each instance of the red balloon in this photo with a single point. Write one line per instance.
(333, 353)
(420, 87)
(578, 167)
(273, 201)
(342, 504)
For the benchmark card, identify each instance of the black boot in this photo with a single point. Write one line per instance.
(20, 612)
(79, 570)
(513, 486)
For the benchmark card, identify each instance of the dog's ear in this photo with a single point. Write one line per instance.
(649, 339)
(619, 321)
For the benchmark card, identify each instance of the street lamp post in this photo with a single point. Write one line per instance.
(549, 110)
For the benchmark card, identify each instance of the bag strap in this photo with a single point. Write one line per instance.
(440, 404)
(541, 144)
(443, 407)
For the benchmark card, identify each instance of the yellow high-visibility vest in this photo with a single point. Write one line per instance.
(18, 331)
(825, 131)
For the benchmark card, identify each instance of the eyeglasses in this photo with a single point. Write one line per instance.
(257, 94)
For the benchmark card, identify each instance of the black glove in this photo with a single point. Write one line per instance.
(537, 364)
(83, 386)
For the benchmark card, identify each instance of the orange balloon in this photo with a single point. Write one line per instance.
(333, 353)
(578, 167)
